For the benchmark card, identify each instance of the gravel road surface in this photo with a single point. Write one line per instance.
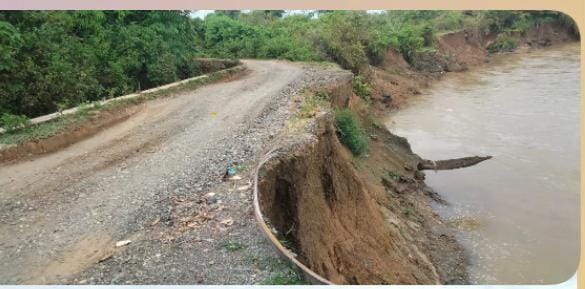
(156, 180)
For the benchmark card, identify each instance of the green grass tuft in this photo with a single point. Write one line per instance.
(232, 245)
(350, 133)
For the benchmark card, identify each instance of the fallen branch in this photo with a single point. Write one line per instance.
(451, 164)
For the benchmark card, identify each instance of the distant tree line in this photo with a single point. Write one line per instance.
(51, 60)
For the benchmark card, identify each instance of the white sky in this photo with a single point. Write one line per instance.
(202, 13)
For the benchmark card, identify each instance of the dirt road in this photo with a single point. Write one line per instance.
(154, 179)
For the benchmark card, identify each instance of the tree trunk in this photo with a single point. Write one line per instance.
(451, 164)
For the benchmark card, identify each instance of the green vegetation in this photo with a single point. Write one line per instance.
(55, 126)
(350, 132)
(394, 175)
(11, 122)
(503, 43)
(289, 278)
(312, 104)
(232, 245)
(281, 272)
(40, 131)
(361, 88)
(54, 60)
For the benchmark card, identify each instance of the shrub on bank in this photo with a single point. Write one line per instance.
(503, 43)
(349, 132)
(361, 87)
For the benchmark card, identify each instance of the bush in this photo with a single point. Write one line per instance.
(409, 42)
(361, 87)
(503, 43)
(350, 133)
(341, 38)
(449, 21)
(11, 122)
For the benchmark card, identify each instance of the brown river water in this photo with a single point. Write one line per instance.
(517, 215)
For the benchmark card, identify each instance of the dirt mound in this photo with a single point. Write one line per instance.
(344, 224)
(462, 50)
(393, 60)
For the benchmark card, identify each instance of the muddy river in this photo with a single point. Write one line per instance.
(517, 214)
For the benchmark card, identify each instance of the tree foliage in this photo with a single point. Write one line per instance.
(64, 58)
(57, 59)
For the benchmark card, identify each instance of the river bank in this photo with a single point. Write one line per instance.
(344, 216)
(397, 84)
(519, 210)
(396, 80)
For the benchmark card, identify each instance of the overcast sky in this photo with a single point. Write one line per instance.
(202, 13)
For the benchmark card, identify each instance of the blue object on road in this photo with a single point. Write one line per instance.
(231, 171)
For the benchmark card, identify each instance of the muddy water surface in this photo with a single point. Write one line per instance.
(517, 214)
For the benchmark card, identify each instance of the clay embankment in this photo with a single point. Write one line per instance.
(357, 220)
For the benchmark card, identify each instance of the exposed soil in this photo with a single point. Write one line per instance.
(369, 220)
(358, 220)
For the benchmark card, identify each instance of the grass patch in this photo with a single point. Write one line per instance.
(12, 122)
(282, 272)
(291, 278)
(350, 132)
(40, 131)
(313, 104)
(232, 245)
(394, 175)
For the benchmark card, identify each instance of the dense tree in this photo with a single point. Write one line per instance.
(57, 59)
